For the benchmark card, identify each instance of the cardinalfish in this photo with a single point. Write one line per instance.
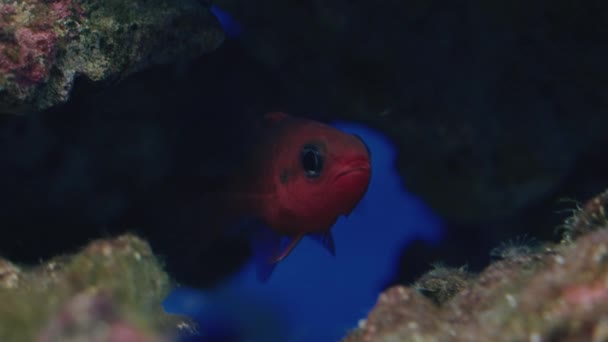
(304, 176)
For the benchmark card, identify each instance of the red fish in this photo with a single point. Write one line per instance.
(302, 176)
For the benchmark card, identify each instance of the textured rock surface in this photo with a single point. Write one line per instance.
(553, 292)
(110, 291)
(46, 45)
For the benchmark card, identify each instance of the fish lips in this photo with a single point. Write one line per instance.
(360, 168)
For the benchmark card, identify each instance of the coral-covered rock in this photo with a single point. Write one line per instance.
(557, 291)
(45, 45)
(92, 316)
(110, 291)
(588, 217)
(442, 283)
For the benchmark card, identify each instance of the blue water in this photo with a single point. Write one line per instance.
(311, 295)
(230, 26)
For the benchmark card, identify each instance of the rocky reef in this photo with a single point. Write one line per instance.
(538, 292)
(46, 45)
(494, 108)
(110, 291)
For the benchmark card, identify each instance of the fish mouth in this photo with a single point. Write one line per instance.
(358, 167)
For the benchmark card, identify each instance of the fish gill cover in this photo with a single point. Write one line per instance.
(311, 295)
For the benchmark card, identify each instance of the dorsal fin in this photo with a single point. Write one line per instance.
(274, 117)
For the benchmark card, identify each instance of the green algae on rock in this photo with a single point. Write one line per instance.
(112, 290)
(442, 283)
(548, 293)
(46, 45)
(588, 217)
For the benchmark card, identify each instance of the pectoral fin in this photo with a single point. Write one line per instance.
(287, 244)
(326, 240)
(270, 248)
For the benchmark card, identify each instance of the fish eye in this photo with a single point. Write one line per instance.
(312, 160)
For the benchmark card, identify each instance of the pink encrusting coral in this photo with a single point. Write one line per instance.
(36, 55)
(30, 32)
(65, 9)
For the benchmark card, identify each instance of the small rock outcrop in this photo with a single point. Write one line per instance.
(111, 290)
(46, 45)
(547, 293)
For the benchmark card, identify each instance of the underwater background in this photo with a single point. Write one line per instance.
(485, 122)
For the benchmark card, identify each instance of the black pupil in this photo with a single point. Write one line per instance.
(312, 161)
